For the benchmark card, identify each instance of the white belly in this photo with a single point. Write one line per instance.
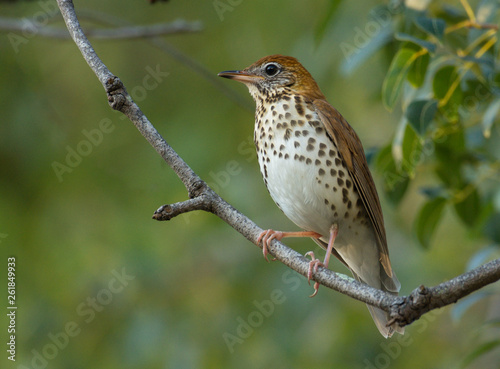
(298, 189)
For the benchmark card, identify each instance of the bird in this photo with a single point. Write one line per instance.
(314, 167)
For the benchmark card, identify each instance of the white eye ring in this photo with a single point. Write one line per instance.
(271, 69)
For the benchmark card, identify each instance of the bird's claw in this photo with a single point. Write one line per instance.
(313, 266)
(316, 288)
(266, 237)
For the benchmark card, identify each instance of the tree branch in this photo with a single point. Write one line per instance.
(175, 27)
(403, 309)
(424, 299)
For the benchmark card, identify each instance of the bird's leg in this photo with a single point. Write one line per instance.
(315, 263)
(334, 231)
(267, 236)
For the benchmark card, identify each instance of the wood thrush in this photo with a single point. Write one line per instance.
(315, 169)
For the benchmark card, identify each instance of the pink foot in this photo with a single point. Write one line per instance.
(267, 236)
(313, 266)
(315, 263)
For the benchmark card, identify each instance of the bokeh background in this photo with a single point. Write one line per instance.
(189, 289)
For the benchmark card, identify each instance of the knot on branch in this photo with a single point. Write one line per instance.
(409, 308)
(197, 188)
(117, 93)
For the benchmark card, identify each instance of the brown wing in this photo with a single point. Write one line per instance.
(351, 151)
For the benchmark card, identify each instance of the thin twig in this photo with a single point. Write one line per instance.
(129, 32)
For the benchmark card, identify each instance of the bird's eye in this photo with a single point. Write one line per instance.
(272, 69)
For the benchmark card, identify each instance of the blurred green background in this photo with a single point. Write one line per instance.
(190, 287)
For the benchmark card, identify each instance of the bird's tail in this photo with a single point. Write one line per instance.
(381, 317)
(379, 280)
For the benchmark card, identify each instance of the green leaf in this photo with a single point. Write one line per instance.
(418, 70)
(443, 81)
(443, 78)
(319, 33)
(469, 208)
(489, 117)
(432, 192)
(420, 114)
(432, 26)
(428, 219)
(407, 149)
(446, 85)
(480, 350)
(412, 151)
(395, 181)
(431, 47)
(449, 152)
(396, 75)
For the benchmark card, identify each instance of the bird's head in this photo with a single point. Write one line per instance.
(274, 75)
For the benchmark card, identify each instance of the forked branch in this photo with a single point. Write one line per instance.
(403, 309)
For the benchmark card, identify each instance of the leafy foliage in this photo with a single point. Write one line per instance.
(446, 74)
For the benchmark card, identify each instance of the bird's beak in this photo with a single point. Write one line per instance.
(240, 76)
